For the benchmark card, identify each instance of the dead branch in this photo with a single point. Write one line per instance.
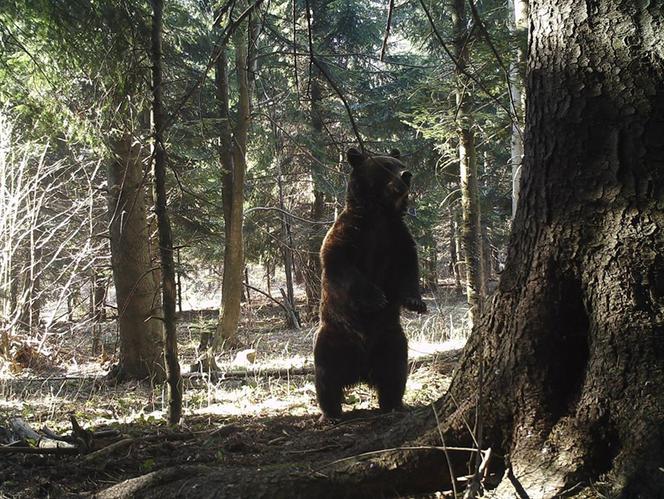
(109, 449)
(387, 30)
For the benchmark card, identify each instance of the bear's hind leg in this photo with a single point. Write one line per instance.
(390, 370)
(335, 360)
(329, 392)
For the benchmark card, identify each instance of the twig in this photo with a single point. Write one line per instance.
(447, 456)
(309, 451)
(520, 491)
(267, 296)
(224, 8)
(287, 213)
(475, 484)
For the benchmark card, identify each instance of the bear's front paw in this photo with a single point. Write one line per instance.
(415, 304)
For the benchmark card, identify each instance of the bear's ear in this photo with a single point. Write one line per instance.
(395, 153)
(354, 157)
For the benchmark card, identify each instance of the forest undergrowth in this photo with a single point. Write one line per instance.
(258, 409)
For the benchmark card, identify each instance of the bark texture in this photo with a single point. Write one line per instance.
(575, 334)
(141, 334)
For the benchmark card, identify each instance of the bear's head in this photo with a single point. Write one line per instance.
(378, 182)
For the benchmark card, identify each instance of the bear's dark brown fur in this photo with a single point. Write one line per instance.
(370, 270)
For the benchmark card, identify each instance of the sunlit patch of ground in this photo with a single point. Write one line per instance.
(251, 414)
(267, 386)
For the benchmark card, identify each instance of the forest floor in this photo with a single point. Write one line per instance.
(258, 412)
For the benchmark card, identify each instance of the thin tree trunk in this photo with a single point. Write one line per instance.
(179, 281)
(486, 256)
(228, 168)
(164, 224)
(470, 201)
(518, 27)
(287, 251)
(235, 167)
(97, 310)
(453, 244)
(313, 270)
(141, 332)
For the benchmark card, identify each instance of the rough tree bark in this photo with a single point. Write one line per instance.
(163, 222)
(569, 354)
(141, 332)
(470, 198)
(574, 339)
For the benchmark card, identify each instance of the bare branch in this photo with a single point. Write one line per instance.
(387, 30)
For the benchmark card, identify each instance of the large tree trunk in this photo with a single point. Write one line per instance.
(574, 340)
(470, 198)
(141, 332)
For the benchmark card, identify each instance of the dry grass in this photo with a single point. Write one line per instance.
(77, 385)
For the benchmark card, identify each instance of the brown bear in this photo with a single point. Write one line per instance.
(370, 270)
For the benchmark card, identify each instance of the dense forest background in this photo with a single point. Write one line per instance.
(168, 170)
(76, 97)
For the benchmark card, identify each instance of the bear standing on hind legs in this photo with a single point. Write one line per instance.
(370, 270)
